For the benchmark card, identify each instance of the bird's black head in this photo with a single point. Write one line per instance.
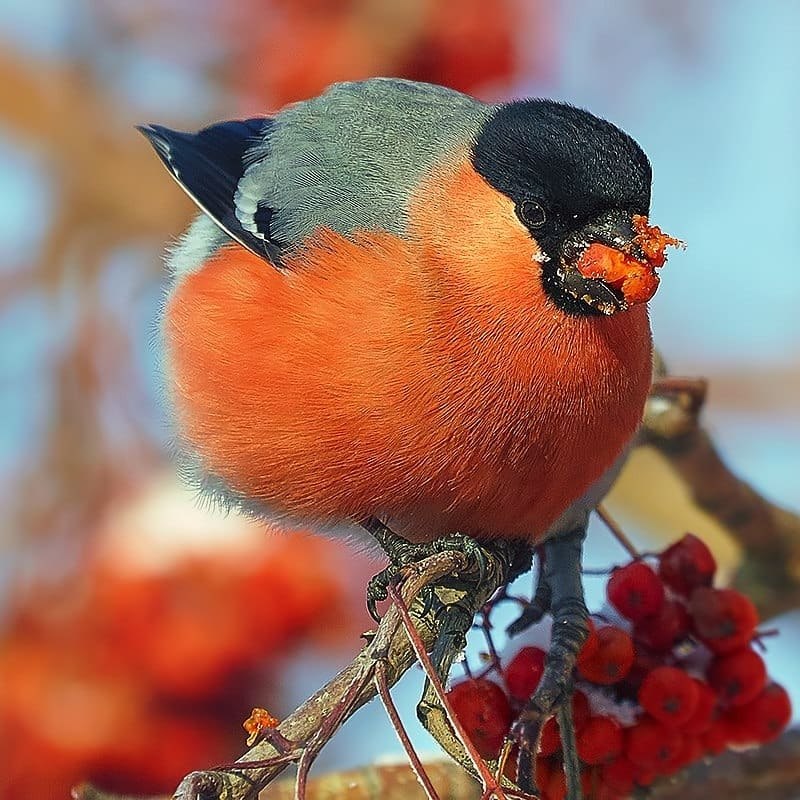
(575, 180)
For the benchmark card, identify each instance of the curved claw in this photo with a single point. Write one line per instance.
(372, 608)
(376, 589)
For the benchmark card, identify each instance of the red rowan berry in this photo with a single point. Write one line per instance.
(724, 619)
(662, 630)
(580, 709)
(669, 695)
(715, 739)
(738, 676)
(550, 740)
(619, 774)
(544, 771)
(764, 718)
(704, 713)
(612, 660)
(686, 565)
(691, 750)
(556, 788)
(650, 744)
(600, 740)
(483, 709)
(635, 591)
(645, 776)
(523, 673)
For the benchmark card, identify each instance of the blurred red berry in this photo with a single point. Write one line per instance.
(762, 719)
(556, 787)
(644, 662)
(580, 709)
(600, 740)
(550, 740)
(523, 673)
(738, 676)
(691, 750)
(589, 647)
(612, 659)
(645, 776)
(651, 744)
(544, 771)
(724, 619)
(635, 591)
(620, 775)
(669, 695)
(662, 630)
(704, 712)
(483, 709)
(687, 565)
(715, 739)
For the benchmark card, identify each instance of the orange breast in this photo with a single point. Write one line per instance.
(426, 379)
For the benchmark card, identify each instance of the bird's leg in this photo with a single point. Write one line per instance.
(539, 605)
(562, 571)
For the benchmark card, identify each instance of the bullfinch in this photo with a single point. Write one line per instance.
(402, 304)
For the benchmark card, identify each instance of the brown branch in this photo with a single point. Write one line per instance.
(301, 726)
(769, 534)
(386, 782)
(315, 721)
(772, 772)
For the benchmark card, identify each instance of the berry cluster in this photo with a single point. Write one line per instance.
(131, 678)
(667, 676)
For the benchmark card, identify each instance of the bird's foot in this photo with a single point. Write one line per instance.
(403, 553)
(527, 730)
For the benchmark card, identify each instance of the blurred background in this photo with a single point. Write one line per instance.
(138, 628)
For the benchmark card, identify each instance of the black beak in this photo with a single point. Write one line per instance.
(612, 228)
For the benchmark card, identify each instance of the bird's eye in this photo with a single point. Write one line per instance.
(532, 213)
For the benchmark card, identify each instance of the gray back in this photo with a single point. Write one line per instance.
(350, 158)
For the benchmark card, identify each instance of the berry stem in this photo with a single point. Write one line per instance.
(618, 533)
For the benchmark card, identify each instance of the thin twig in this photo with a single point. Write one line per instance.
(329, 726)
(414, 638)
(402, 734)
(336, 697)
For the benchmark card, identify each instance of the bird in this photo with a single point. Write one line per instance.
(400, 303)
(382, 310)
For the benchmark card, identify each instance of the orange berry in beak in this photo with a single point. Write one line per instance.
(652, 241)
(637, 282)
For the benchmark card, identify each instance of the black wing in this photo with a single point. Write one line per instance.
(208, 166)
